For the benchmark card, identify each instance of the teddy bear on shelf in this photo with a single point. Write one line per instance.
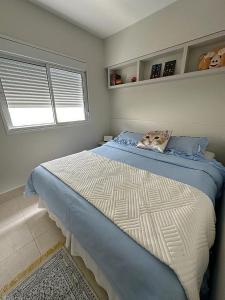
(213, 59)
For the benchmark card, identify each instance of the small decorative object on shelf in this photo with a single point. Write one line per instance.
(119, 81)
(132, 79)
(156, 71)
(115, 79)
(213, 59)
(169, 68)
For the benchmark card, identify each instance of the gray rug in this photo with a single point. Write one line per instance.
(57, 278)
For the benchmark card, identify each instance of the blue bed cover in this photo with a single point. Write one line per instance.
(133, 272)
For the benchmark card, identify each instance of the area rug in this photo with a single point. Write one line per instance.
(58, 278)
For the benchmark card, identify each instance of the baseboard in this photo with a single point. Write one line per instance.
(12, 194)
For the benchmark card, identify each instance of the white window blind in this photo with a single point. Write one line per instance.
(26, 93)
(68, 95)
(35, 94)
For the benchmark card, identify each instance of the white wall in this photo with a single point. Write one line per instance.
(19, 153)
(190, 106)
(181, 21)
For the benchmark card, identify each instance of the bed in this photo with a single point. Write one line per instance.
(121, 265)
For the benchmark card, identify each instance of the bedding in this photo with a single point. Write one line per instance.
(133, 272)
(158, 213)
(128, 138)
(186, 145)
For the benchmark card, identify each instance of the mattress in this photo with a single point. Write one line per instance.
(132, 271)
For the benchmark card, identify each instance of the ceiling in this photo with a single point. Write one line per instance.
(103, 17)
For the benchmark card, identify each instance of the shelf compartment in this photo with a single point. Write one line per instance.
(126, 71)
(146, 64)
(196, 49)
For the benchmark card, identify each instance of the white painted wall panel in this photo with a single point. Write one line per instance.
(19, 153)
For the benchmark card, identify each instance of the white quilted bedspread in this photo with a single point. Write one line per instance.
(172, 220)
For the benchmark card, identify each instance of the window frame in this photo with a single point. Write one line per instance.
(10, 129)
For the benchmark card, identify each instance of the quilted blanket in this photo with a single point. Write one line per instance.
(173, 221)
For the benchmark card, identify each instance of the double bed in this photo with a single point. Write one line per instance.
(125, 268)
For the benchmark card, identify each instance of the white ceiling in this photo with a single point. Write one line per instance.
(103, 17)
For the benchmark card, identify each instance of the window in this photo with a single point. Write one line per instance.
(36, 94)
(68, 95)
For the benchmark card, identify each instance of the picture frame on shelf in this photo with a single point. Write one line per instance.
(169, 68)
(156, 71)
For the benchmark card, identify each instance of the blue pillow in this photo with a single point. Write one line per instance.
(128, 138)
(187, 145)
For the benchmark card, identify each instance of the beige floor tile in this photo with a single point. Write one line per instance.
(14, 238)
(27, 201)
(6, 248)
(28, 253)
(11, 205)
(22, 258)
(28, 206)
(40, 223)
(10, 214)
(18, 262)
(20, 236)
(49, 239)
(5, 276)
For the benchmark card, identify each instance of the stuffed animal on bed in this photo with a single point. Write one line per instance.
(212, 59)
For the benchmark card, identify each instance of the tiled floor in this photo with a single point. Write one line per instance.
(26, 232)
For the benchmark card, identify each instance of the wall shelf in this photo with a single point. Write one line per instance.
(186, 56)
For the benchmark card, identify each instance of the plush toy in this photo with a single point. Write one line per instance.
(205, 60)
(218, 60)
(212, 59)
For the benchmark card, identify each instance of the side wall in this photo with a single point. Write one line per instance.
(19, 153)
(189, 107)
